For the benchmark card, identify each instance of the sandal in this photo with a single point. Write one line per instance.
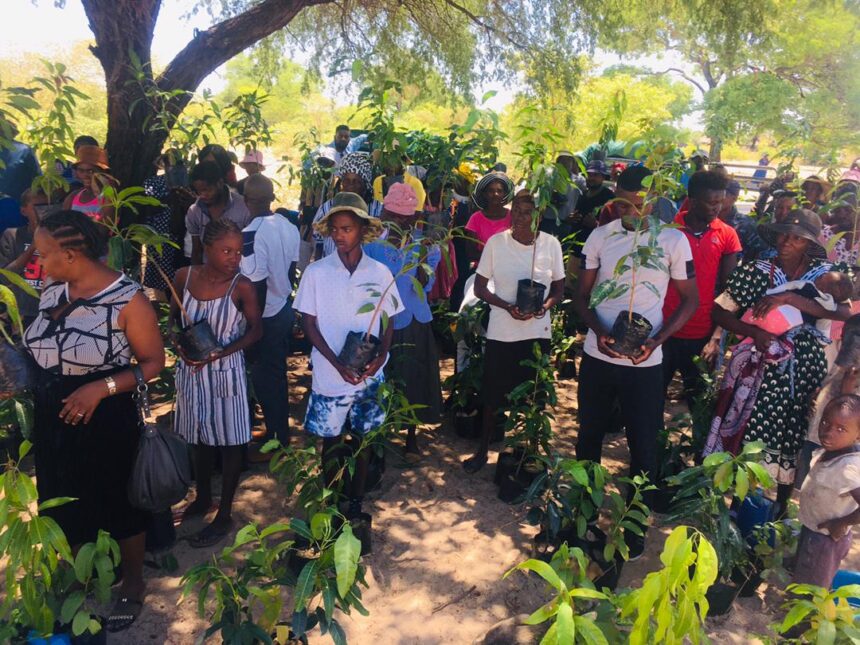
(123, 615)
(210, 536)
(474, 464)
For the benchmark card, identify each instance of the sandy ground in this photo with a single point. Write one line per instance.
(441, 544)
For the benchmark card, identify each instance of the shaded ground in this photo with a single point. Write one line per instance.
(440, 536)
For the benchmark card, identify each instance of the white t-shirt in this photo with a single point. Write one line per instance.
(505, 262)
(604, 247)
(329, 292)
(270, 244)
(826, 491)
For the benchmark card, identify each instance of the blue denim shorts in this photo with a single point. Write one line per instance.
(326, 415)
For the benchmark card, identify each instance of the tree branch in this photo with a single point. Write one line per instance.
(684, 75)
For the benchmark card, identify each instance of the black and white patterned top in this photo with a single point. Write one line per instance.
(86, 338)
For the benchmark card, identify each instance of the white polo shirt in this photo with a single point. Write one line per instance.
(603, 249)
(329, 292)
(270, 244)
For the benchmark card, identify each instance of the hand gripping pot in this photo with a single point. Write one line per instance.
(162, 473)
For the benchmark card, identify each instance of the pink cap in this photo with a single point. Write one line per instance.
(401, 199)
(254, 156)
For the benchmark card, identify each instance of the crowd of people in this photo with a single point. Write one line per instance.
(773, 288)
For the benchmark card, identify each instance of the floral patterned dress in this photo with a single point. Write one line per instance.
(781, 412)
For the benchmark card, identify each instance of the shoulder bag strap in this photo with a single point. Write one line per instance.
(141, 395)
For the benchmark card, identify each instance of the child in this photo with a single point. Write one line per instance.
(211, 395)
(332, 297)
(830, 497)
(801, 301)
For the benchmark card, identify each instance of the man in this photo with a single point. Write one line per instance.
(588, 206)
(344, 143)
(270, 252)
(18, 169)
(606, 375)
(252, 163)
(214, 201)
(18, 253)
(715, 247)
(555, 218)
(752, 245)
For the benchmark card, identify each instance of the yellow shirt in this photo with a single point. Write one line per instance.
(411, 180)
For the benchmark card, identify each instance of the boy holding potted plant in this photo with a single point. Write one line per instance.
(333, 300)
(629, 263)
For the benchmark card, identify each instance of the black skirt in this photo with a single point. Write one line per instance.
(414, 363)
(503, 370)
(91, 462)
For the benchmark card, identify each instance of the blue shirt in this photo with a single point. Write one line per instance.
(21, 168)
(415, 304)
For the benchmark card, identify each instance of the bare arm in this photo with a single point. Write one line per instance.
(839, 526)
(728, 263)
(587, 278)
(729, 321)
(805, 305)
(245, 297)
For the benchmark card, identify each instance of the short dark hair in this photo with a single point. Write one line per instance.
(85, 140)
(850, 402)
(342, 127)
(218, 228)
(705, 180)
(77, 231)
(222, 157)
(207, 171)
(631, 178)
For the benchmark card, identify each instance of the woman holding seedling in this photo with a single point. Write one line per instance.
(517, 254)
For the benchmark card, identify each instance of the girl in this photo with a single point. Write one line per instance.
(830, 497)
(211, 395)
(91, 169)
(492, 194)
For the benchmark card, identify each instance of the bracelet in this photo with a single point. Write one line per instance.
(111, 385)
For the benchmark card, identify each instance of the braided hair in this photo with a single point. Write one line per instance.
(75, 230)
(848, 402)
(218, 228)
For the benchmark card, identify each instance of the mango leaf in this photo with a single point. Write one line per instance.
(347, 551)
(305, 584)
(19, 282)
(588, 632)
(565, 632)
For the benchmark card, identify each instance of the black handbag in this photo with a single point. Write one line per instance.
(162, 473)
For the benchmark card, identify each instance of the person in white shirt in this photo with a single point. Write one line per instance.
(270, 250)
(511, 334)
(333, 298)
(605, 375)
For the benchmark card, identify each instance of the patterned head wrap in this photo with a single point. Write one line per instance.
(358, 163)
(488, 179)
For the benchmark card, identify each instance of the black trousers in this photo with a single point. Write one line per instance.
(678, 355)
(639, 390)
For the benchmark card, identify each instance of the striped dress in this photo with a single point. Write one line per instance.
(212, 403)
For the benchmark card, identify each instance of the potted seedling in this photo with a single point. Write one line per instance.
(701, 501)
(674, 448)
(465, 383)
(528, 429)
(16, 367)
(48, 589)
(817, 615)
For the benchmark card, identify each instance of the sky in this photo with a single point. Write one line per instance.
(42, 28)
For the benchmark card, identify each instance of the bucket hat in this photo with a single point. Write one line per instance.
(597, 167)
(800, 222)
(486, 180)
(93, 155)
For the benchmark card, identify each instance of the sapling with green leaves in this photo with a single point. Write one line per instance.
(817, 615)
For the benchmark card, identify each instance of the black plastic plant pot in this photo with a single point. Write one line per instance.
(629, 333)
(517, 481)
(567, 369)
(358, 350)
(198, 341)
(747, 580)
(17, 370)
(506, 465)
(467, 425)
(662, 499)
(611, 574)
(362, 528)
(530, 296)
(720, 598)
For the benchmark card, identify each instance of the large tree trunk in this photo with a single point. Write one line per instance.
(125, 26)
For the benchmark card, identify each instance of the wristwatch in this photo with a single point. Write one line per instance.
(111, 385)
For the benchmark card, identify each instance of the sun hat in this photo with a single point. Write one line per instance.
(93, 155)
(485, 181)
(401, 200)
(348, 202)
(814, 179)
(253, 156)
(597, 167)
(800, 222)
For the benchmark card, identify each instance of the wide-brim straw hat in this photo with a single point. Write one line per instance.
(93, 155)
(800, 222)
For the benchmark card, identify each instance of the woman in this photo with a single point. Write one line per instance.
(91, 169)
(492, 193)
(414, 360)
(842, 221)
(766, 393)
(92, 321)
(354, 175)
(211, 394)
(511, 334)
(159, 219)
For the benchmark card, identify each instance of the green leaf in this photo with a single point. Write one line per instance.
(582, 592)
(347, 551)
(366, 308)
(543, 570)
(826, 633)
(80, 623)
(84, 562)
(588, 632)
(742, 484)
(54, 502)
(305, 584)
(565, 632)
(71, 605)
(19, 282)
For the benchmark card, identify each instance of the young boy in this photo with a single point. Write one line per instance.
(332, 299)
(830, 497)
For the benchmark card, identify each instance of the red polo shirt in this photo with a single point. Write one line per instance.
(708, 248)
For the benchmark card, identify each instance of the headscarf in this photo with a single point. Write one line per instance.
(401, 200)
(488, 179)
(358, 163)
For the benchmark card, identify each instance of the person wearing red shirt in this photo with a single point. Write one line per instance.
(715, 247)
